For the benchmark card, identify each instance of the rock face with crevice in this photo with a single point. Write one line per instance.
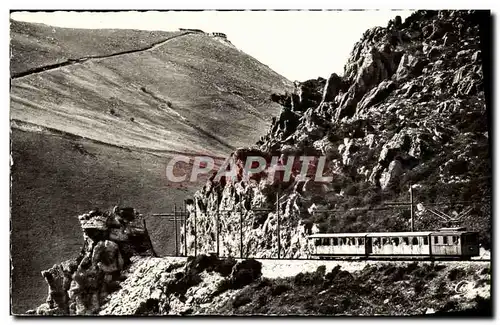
(79, 286)
(410, 109)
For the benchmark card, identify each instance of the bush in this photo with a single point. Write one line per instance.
(455, 274)
(279, 289)
(241, 300)
(223, 286)
(148, 307)
(245, 272)
(225, 266)
(242, 274)
(308, 279)
(112, 112)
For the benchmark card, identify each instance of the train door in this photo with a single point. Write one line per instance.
(368, 245)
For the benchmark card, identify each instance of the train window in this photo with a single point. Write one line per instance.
(361, 241)
(445, 240)
(384, 241)
(455, 240)
(375, 241)
(471, 239)
(317, 242)
(335, 241)
(395, 241)
(414, 241)
(426, 241)
(436, 240)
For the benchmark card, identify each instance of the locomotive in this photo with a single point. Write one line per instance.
(445, 243)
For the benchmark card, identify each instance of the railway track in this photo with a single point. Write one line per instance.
(276, 268)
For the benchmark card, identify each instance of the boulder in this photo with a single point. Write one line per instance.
(80, 286)
(410, 66)
(332, 88)
(391, 175)
(376, 95)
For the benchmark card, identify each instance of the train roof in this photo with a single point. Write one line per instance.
(391, 234)
(400, 234)
(453, 231)
(359, 234)
(373, 234)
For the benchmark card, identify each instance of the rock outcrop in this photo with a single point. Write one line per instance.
(80, 286)
(410, 108)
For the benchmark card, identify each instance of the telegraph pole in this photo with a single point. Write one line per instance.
(217, 230)
(184, 212)
(412, 221)
(278, 221)
(195, 234)
(241, 234)
(175, 229)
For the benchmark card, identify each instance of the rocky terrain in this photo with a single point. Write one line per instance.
(153, 90)
(97, 114)
(409, 110)
(117, 273)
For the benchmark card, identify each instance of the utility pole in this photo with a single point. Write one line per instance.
(241, 234)
(195, 234)
(217, 231)
(412, 221)
(185, 228)
(278, 221)
(175, 229)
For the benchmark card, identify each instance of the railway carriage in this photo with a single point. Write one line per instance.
(445, 243)
(398, 243)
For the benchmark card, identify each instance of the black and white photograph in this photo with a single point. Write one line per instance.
(251, 163)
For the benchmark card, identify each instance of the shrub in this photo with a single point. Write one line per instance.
(419, 287)
(241, 300)
(225, 266)
(308, 279)
(148, 307)
(321, 270)
(245, 272)
(455, 274)
(223, 286)
(279, 289)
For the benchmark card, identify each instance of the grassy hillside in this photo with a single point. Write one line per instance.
(55, 178)
(98, 130)
(190, 93)
(36, 45)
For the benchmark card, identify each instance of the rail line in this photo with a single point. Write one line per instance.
(348, 259)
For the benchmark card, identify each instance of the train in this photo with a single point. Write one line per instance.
(445, 243)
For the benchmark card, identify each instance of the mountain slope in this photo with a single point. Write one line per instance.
(37, 45)
(409, 110)
(188, 91)
(75, 146)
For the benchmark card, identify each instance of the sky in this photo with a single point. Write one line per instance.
(299, 45)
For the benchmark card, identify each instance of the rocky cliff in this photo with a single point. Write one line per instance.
(117, 105)
(110, 241)
(409, 110)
